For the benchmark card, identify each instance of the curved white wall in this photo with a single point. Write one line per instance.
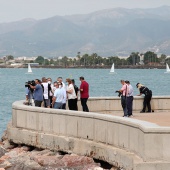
(128, 143)
(100, 104)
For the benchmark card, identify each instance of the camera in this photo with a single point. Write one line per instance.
(119, 93)
(27, 84)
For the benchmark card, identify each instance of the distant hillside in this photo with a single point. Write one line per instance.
(109, 32)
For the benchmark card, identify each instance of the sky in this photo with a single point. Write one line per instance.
(14, 10)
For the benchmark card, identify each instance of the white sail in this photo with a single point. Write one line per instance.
(112, 70)
(29, 69)
(167, 68)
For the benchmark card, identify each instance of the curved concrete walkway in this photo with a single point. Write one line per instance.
(160, 118)
(127, 143)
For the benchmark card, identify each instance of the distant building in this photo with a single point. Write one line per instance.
(33, 64)
(16, 64)
(26, 58)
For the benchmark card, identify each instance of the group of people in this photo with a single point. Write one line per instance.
(55, 95)
(127, 97)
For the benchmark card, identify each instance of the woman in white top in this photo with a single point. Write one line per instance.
(71, 95)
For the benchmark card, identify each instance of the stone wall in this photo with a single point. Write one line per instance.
(127, 143)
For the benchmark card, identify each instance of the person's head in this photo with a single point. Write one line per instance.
(138, 85)
(122, 82)
(68, 80)
(49, 80)
(72, 81)
(37, 81)
(60, 79)
(81, 78)
(44, 80)
(56, 84)
(127, 82)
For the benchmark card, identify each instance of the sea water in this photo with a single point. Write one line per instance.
(101, 82)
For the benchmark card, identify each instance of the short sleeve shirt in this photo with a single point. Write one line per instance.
(85, 93)
(38, 93)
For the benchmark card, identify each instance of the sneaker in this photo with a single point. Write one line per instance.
(126, 116)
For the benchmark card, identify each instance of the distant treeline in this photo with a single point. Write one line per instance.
(135, 60)
(94, 60)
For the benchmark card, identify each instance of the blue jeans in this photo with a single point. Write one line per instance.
(57, 105)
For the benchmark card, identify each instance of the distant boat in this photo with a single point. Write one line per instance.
(112, 70)
(29, 69)
(167, 68)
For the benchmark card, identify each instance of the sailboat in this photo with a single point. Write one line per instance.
(112, 70)
(167, 68)
(29, 69)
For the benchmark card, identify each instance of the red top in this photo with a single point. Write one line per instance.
(85, 86)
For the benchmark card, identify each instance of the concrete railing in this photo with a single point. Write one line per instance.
(123, 142)
(111, 104)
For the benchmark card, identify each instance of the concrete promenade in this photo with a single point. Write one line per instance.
(161, 118)
(128, 143)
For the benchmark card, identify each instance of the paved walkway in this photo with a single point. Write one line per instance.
(160, 118)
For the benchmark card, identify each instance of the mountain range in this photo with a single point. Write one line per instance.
(108, 32)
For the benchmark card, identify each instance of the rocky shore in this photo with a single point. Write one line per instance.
(22, 157)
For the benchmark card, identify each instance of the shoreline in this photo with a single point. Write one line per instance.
(90, 67)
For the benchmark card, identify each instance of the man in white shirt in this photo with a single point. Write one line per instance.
(46, 92)
(129, 99)
(60, 80)
(58, 96)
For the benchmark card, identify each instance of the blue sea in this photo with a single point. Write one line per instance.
(12, 86)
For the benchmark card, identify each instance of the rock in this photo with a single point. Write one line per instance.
(92, 167)
(26, 148)
(3, 158)
(8, 145)
(4, 136)
(25, 165)
(2, 151)
(114, 168)
(46, 161)
(6, 164)
(24, 158)
(12, 154)
(74, 161)
(98, 168)
(34, 155)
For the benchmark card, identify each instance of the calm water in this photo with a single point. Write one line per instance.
(101, 83)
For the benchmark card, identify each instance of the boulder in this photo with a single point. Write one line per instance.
(8, 145)
(4, 136)
(2, 150)
(24, 158)
(75, 160)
